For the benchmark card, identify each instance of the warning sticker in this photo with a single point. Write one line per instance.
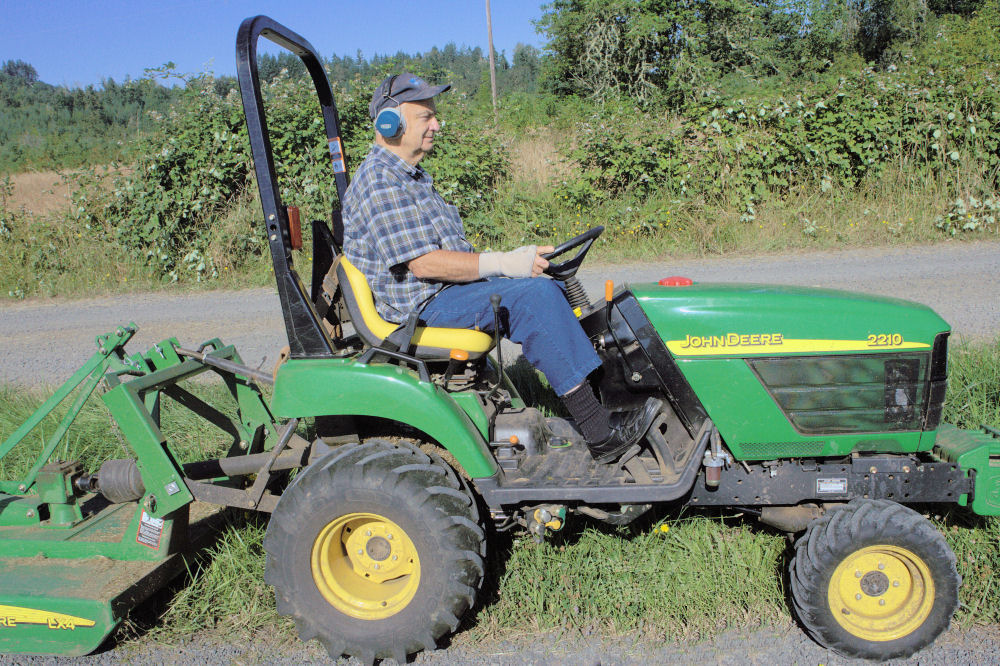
(337, 155)
(150, 531)
(831, 486)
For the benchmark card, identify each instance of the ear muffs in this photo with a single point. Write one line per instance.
(390, 123)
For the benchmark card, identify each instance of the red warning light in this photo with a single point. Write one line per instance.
(676, 281)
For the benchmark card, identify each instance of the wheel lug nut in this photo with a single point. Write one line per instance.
(389, 537)
(895, 583)
(394, 558)
(857, 574)
(376, 566)
(881, 602)
(369, 533)
(881, 566)
(361, 551)
(858, 596)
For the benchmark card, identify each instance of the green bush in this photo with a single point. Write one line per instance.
(469, 157)
(195, 169)
(742, 152)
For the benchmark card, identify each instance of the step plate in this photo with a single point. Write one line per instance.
(571, 474)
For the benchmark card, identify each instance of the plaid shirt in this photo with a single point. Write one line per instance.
(393, 214)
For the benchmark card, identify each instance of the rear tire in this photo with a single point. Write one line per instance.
(874, 579)
(376, 551)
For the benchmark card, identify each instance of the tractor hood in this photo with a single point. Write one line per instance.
(713, 320)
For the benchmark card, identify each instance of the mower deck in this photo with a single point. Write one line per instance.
(54, 605)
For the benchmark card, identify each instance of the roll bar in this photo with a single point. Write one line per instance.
(306, 336)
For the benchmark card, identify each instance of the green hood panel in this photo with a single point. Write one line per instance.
(334, 387)
(719, 320)
(793, 371)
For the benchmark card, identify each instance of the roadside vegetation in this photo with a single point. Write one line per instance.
(803, 125)
(678, 574)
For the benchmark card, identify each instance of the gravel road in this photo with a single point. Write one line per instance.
(43, 342)
(784, 646)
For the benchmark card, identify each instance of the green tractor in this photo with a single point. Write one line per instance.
(816, 410)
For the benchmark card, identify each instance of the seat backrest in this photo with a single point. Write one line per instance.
(432, 343)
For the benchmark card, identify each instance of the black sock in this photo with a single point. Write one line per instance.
(590, 416)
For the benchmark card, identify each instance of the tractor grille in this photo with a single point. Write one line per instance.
(938, 384)
(850, 393)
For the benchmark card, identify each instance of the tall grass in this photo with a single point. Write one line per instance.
(54, 254)
(95, 437)
(898, 208)
(672, 577)
(676, 573)
(973, 385)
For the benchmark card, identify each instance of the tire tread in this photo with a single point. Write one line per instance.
(405, 474)
(834, 536)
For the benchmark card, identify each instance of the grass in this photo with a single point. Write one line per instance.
(674, 574)
(94, 437)
(49, 253)
(973, 384)
(899, 208)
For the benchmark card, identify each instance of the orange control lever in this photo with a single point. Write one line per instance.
(609, 290)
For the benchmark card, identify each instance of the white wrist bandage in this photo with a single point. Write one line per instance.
(516, 263)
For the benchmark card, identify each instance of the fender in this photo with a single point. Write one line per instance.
(338, 387)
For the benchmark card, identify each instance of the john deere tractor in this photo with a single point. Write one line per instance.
(817, 410)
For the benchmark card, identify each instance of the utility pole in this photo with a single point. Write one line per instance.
(493, 64)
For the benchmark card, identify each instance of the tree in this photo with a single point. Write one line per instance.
(883, 24)
(522, 76)
(19, 69)
(639, 48)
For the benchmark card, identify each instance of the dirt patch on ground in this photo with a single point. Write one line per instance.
(40, 193)
(44, 192)
(536, 160)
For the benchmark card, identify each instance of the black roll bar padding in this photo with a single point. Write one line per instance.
(307, 337)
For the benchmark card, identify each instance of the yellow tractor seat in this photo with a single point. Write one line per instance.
(431, 343)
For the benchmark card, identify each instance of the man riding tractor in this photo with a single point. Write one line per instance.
(411, 247)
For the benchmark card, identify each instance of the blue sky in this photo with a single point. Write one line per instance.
(79, 42)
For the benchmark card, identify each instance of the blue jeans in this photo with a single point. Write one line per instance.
(534, 313)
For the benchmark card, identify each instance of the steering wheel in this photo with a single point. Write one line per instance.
(568, 268)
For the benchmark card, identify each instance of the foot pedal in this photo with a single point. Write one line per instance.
(631, 462)
(631, 453)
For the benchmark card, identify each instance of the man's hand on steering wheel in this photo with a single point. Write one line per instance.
(524, 262)
(541, 263)
(567, 269)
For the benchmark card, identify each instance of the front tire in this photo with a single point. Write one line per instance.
(874, 579)
(376, 551)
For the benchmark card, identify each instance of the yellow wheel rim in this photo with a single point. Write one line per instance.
(365, 566)
(881, 593)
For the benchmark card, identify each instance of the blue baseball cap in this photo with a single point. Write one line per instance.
(399, 88)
